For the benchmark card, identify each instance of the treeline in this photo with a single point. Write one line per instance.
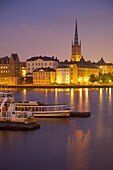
(102, 78)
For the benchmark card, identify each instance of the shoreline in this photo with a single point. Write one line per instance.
(56, 86)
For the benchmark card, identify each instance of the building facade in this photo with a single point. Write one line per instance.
(44, 76)
(23, 72)
(85, 70)
(63, 74)
(104, 68)
(10, 70)
(73, 72)
(38, 62)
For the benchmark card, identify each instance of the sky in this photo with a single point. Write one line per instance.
(46, 27)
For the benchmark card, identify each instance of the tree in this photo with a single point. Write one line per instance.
(92, 78)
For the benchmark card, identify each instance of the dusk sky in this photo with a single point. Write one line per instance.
(46, 27)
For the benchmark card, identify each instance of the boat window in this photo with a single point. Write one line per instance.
(25, 108)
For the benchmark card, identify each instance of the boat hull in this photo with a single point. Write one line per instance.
(51, 114)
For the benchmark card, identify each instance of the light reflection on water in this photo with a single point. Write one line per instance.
(63, 144)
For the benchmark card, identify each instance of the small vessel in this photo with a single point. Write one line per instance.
(41, 110)
(10, 119)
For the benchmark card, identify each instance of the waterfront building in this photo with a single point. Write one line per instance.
(73, 71)
(38, 62)
(76, 46)
(10, 70)
(63, 74)
(104, 68)
(23, 69)
(80, 72)
(85, 70)
(23, 72)
(44, 76)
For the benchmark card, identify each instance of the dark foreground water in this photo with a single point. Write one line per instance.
(63, 144)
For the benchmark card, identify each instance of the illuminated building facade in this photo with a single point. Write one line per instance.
(10, 70)
(80, 72)
(73, 73)
(23, 72)
(85, 70)
(44, 76)
(104, 68)
(76, 47)
(38, 62)
(63, 74)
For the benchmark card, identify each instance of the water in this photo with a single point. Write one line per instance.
(65, 143)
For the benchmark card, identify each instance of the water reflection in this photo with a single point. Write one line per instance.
(56, 96)
(72, 97)
(24, 95)
(80, 99)
(78, 145)
(101, 95)
(83, 99)
(110, 97)
(86, 99)
(46, 95)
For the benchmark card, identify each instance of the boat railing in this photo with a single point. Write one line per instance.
(58, 107)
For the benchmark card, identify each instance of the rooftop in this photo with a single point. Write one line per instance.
(45, 58)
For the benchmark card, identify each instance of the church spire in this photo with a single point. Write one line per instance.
(76, 46)
(76, 34)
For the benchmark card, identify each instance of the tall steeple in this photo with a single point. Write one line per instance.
(76, 46)
(76, 34)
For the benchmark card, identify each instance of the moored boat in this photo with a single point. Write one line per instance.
(41, 110)
(10, 119)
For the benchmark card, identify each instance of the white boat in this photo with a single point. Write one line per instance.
(41, 110)
(12, 119)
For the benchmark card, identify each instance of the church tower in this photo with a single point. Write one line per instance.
(76, 47)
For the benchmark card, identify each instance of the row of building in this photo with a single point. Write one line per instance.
(45, 70)
(49, 70)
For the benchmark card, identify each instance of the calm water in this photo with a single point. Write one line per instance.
(63, 144)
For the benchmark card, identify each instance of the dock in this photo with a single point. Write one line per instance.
(80, 114)
(18, 126)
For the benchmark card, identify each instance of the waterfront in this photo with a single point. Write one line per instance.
(63, 144)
